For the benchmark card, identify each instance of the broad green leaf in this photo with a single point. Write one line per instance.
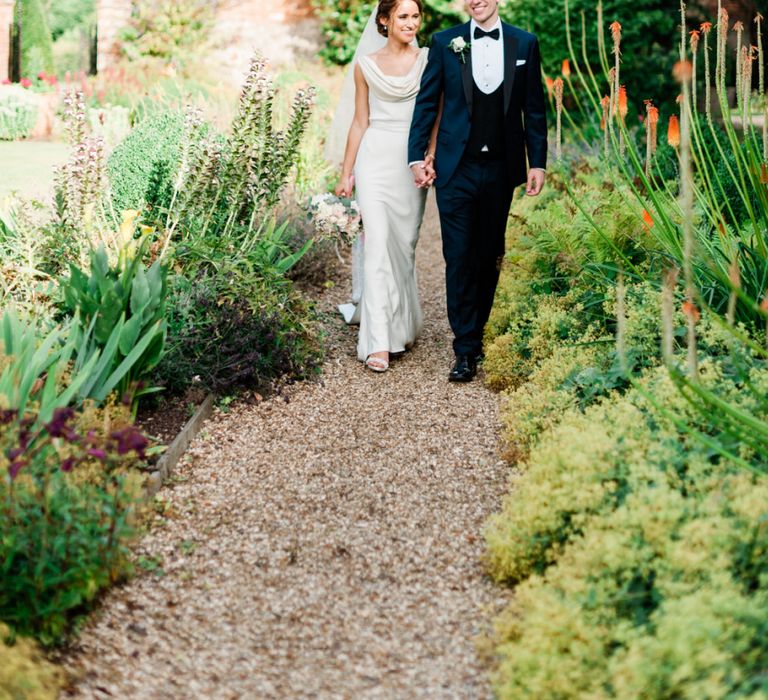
(127, 364)
(130, 334)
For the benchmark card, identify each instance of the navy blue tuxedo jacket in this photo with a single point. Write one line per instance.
(447, 75)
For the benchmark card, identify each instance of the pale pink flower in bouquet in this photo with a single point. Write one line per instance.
(335, 218)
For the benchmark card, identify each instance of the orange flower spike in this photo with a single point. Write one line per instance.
(615, 33)
(764, 303)
(648, 221)
(683, 71)
(690, 310)
(566, 70)
(694, 40)
(623, 108)
(706, 27)
(673, 132)
(550, 85)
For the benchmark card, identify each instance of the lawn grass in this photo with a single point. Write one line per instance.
(27, 167)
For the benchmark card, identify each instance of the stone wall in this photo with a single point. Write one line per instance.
(6, 19)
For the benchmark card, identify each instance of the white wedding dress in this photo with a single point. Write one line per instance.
(392, 208)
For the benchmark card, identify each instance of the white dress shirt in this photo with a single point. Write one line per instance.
(487, 59)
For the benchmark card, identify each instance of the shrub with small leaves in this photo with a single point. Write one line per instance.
(69, 501)
(141, 168)
(226, 341)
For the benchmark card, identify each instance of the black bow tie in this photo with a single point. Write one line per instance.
(480, 33)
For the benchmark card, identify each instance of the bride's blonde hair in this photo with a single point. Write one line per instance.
(385, 10)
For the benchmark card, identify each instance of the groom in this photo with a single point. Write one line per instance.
(483, 82)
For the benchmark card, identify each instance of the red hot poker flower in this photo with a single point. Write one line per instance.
(647, 220)
(673, 132)
(694, 40)
(690, 310)
(615, 33)
(623, 108)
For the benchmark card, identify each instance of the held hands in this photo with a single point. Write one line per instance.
(424, 173)
(345, 186)
(535, 182)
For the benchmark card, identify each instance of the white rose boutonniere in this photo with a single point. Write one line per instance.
(460, 47)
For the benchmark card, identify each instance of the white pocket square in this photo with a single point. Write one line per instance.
(520, 62)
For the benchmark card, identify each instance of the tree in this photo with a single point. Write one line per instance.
(36, 39)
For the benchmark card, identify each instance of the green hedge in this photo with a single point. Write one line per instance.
(141, 168)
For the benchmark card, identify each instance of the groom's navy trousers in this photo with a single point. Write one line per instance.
(473, 206)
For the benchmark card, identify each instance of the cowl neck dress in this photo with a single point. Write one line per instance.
(392, 208)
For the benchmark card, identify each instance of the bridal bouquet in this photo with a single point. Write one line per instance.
(337, 218)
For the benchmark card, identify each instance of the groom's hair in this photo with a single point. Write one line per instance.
(385, 10)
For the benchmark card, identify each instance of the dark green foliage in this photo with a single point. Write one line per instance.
(649, 37)
(65, 524)
(344, 21)
(36, 39)
(141, 168)
(227, 340)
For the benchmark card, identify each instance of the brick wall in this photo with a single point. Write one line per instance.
(6, 18)
(112, 16)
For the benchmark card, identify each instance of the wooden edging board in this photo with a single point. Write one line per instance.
(178, 447)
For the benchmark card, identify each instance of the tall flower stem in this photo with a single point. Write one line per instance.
(686, 207)
(669, 281)
(605, 103)
(761, 82)
(738, 27)
(621, 323)
(722, 46)
(706, 28)
(694, 52)
(558, 88)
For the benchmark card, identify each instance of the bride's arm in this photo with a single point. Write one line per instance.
(356, 131)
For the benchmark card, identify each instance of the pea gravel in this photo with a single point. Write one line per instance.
(322, 544)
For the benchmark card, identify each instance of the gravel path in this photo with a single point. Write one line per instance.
(326, 546)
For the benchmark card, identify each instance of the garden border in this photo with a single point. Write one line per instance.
(178, 447)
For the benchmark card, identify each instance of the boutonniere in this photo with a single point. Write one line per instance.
(460, 47)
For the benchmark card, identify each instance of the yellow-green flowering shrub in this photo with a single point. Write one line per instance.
(538, 404)
(646, 603)
(590, 462)
(24, 672)
(641, 556)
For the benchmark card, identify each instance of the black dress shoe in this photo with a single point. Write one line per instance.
(464, 369)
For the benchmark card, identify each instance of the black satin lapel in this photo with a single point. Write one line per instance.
(466, 73)
(510, 62)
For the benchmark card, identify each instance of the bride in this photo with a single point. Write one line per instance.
(376, 165)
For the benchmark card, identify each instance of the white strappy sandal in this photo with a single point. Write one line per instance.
(377, 364)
